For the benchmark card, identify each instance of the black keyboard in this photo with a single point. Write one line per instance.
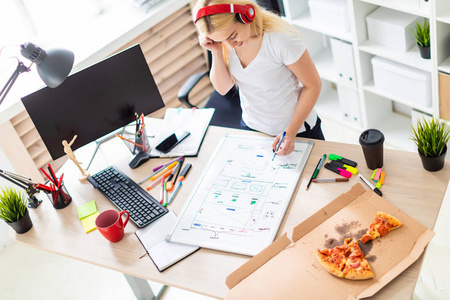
(127, 195)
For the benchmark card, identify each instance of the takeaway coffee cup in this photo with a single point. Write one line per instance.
(111, 225)
(371, 141)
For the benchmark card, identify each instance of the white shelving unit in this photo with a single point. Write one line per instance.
(378, 109)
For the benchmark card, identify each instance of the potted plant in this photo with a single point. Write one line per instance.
(422, 35)
(431, 138)
(13, 209)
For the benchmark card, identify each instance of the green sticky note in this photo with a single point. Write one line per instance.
(86, 209)
(89, 222)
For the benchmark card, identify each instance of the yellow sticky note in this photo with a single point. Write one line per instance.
(86, 209)
(89, 222)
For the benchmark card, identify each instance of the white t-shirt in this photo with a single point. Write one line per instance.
(267, 88)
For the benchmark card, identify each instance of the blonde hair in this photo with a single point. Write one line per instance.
(264, 21)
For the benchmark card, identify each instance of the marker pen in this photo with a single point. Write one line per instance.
(376, 190)
(185, 171)
(329, 180)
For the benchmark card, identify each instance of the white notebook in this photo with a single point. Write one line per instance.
(195, 121)
(153, 237)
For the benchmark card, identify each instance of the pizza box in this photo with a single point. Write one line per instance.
(288, 268)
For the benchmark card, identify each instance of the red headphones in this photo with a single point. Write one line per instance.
(245, 13)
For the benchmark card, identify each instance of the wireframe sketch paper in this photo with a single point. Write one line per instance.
(153, 237)
(239, 201)
(195, 121)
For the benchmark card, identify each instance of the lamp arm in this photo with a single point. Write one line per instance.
(23, 179)
(15, 181)
(33, 202)
(21, 68)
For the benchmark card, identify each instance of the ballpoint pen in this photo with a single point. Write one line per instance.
(174, 192)
(316, 171)
(279, 144)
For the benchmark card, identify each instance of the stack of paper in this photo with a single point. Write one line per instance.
(153, 237)
(195, 121)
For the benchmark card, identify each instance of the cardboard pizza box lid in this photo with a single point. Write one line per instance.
(288, 268)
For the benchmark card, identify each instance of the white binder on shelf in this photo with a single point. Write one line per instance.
(343, 61)
(425, 4)
(349, 104)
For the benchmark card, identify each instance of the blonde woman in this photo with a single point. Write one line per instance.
(266, 59)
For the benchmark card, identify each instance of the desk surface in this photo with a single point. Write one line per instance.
(408, 186)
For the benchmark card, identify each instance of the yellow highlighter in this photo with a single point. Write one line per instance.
(349, 168)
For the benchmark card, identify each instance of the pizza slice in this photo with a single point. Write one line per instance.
(382, 224)
(345, 261)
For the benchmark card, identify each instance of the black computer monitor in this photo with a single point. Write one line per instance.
(94, 101)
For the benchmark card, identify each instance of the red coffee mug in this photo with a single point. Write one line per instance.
(110, 224)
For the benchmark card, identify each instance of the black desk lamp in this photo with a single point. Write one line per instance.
(53, 66)
(25, 183)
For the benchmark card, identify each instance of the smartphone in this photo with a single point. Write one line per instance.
(171, 141)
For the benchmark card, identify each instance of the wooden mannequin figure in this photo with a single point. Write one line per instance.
(68, 151)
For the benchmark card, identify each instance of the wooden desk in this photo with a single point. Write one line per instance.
(408, 186)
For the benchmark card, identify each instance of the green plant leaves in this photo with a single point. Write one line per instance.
(422, 33)
(431, 137)
(13, 204)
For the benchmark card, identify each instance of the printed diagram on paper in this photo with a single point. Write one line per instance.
(242, 196)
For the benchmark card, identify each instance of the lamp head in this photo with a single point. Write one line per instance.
(53, 66)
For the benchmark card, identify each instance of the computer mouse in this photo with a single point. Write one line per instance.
(139, 159)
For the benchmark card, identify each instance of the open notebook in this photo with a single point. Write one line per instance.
(153, 237)
(196, 121)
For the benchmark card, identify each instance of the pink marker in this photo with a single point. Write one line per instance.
(377, 175)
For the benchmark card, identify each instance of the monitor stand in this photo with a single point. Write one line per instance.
(100, 141)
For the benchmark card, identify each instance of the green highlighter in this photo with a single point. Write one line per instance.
(342, 160)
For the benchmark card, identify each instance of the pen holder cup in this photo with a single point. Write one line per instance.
(60, 198)
(135, 142)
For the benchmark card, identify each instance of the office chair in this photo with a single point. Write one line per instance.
(228, 110)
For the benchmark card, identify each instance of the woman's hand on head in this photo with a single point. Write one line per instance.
(286, 147)
(209, 44)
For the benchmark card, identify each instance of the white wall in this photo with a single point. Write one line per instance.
(5, 164)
